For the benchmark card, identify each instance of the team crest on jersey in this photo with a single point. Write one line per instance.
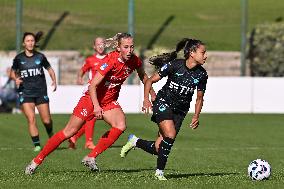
(162, 108)
(84, 112)
(164, 67)
(37, 61)
(104, 66)
(195, 81)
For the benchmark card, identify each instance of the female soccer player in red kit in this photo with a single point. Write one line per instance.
(100, 101)
(90, 66)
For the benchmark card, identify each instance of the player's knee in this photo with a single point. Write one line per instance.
(31, 120)
(69, 132)
(120, 125)
(170, 134)
(47, 122)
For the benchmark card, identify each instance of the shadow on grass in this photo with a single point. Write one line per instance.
(187, 175)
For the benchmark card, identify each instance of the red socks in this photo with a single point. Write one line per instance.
(106, 141)
(89, 130)
(78, 134)
(50, 146)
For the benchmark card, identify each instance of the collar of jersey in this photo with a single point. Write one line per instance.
(100, 56)
(120, 60)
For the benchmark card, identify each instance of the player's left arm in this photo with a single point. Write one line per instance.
(143, 77)
(198, 106)
(201, 88)
(53, 78)
(50, 70)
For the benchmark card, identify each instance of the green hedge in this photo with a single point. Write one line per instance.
(266, 50)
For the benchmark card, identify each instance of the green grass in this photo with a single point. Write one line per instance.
(216, 155)
(215, 22)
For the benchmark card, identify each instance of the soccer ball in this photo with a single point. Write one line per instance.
(259, 169)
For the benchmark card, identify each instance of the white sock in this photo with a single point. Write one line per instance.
(159, 172)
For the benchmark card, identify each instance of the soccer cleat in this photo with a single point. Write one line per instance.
(90, 162)
(128, 146)
(90, 145)
(37, 149)
(30, 169)
(160, 175)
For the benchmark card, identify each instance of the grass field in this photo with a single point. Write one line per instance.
(214, 156)
(215, 22)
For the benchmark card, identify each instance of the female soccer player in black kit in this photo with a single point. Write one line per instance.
(27, 71)
(173, 100)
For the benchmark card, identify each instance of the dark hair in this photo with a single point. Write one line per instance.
(188, 46)
(114, 41)
(36, 36)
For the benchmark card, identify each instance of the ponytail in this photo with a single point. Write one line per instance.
(159, 60)
(114, 41)
(36, 36)
(188, 45)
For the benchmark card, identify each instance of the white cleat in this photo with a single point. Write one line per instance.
(90, 162)
(160, 175)
(30, 169)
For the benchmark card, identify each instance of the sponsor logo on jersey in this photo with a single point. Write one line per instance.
(104, 66)
(31, 72)
(164, 67)
(23, 62)
(180, 88)
(127, 70)
(179, 74)
(37, 61)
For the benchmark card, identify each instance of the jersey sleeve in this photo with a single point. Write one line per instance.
(86, 67)
(15, 65)
(202, 84)
(104, 67)
(45, 62)
(166, 69)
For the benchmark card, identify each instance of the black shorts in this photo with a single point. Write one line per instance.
(162, 111)
(37, 100)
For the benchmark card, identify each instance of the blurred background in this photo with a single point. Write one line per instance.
(244, 38)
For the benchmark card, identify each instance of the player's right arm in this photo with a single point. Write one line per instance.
(18, 80)
(147, 87)
(102, 70)
(13, 75)
(98, 111)
(82, 72)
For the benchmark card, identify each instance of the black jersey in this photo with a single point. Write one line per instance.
(181, 83)
(30, 69)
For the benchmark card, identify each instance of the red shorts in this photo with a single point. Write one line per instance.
(85, 108)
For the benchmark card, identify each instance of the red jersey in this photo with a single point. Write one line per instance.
(91, 62)
(115, 72)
